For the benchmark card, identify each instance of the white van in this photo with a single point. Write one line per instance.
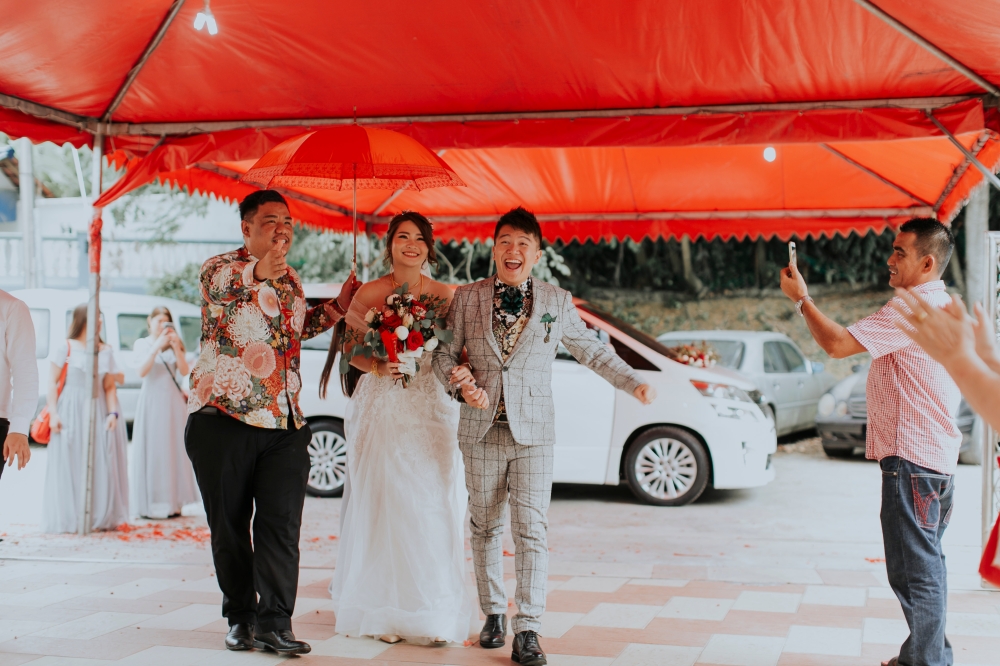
(124, 322)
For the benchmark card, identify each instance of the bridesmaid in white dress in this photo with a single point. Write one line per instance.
(162, 477)
(401, 570)
(63, 494)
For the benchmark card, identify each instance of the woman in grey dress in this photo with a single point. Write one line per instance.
(63, 493)
(162, 478)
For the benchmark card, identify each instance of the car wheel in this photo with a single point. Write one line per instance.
(667, 466)
(327, 458)
(838, 452)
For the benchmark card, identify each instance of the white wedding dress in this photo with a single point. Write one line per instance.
(401, 559)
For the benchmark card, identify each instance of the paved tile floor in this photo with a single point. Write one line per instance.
(790, 574)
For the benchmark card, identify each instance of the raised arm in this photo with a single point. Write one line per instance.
(583, 344)
(835, 340)
(224, 280)
(326, 314)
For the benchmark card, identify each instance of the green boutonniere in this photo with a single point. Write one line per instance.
(547, 321)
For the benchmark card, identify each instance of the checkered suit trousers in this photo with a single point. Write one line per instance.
(497, 468)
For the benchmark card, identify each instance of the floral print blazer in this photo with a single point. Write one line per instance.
(251, 335)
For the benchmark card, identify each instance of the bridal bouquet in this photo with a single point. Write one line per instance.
(401, 331)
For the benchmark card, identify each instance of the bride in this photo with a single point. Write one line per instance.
(401, 561)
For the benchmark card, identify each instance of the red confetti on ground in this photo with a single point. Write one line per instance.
(314, 539)
(331, 537)
(874, 560)
(153, 531)
(467, 643)
(507, 553)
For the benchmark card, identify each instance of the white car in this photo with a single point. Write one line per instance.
(790, 385)
(124, 321)
(703, 429)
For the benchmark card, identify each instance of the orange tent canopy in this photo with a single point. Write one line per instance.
(607, 118)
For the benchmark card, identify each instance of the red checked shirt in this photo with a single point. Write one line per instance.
(912, 402)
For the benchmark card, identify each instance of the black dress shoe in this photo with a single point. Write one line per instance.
(281, 641)
(494, 631)
(240, 637)
(527, 651)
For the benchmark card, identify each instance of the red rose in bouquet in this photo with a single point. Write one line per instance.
(391, 320)
(415, 340)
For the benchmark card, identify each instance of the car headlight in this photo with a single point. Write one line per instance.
(826, 404)
(841, 409)
(721, 391)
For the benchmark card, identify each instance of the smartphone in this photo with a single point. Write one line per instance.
(169, 324)
(792, 260)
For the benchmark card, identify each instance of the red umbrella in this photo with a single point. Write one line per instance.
(349, 157)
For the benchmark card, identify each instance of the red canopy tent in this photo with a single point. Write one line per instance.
(606, 117)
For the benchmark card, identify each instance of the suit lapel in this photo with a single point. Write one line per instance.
(486, 314)
(537, 306)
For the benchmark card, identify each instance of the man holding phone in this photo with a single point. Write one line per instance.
(912, 403)
(246, 435)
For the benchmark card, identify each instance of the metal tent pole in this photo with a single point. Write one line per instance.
(991, 502)
(93, 340)
(983, 169)
(26, 184)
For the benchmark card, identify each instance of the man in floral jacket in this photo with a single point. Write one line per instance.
(246, 435)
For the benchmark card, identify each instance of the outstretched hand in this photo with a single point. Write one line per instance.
(793, 284)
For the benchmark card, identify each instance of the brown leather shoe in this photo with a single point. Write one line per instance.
(527, 651)
(494, 632)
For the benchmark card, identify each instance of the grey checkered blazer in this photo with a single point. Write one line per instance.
(527, 376)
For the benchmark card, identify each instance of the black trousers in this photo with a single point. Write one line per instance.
(4, 427)
(239, 468)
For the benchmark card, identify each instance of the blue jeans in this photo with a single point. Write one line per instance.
(916, 507)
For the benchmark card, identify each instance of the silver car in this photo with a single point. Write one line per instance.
(842, 419)
(790, 384)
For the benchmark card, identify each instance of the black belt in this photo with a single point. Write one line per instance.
(209, 411)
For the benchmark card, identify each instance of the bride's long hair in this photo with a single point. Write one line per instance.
(349, 381)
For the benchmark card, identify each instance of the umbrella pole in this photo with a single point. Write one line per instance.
(354, 261)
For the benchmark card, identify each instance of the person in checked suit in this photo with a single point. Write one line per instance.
(510, 325)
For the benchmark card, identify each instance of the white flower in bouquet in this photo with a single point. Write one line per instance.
(431, 344)
(370, 316)
(402, 332)
(407, 320)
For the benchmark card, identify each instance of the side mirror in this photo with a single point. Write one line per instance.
(817, 367)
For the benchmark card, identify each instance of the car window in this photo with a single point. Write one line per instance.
(631, 356)
(730, 352)
(562, 354)
(321, 342)
(40, 320)
(774, 361)
(793, 359)
(131, 327)
(191, 332)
